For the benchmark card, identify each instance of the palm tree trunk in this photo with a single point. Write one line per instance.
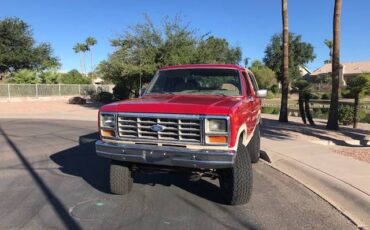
(82, 70)
(91, 62)
(283, 117)
(355, 110)
(301, 108)
(84, 63)
(333, 113)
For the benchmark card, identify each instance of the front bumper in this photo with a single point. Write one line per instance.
(166, 156)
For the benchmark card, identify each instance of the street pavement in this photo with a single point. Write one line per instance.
(50, 178)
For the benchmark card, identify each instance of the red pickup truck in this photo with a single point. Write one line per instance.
(202, 118)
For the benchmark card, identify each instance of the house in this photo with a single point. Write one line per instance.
(349, 69)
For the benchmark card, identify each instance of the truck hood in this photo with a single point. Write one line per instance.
(176, 104)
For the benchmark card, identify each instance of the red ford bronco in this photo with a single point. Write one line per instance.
(203, 119)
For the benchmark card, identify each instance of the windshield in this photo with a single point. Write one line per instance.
(197, 81)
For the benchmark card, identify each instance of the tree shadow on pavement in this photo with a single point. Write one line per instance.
(53, 200)
(274, 130)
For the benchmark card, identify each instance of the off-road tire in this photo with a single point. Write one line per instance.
(120, 178)
(254, 145)
(236, 183)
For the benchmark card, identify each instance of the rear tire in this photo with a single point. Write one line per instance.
(254, 145)
(120, 178)
(236, 183)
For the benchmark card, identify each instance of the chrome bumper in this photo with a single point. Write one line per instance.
(167, 156)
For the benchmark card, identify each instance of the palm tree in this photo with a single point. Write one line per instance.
(77, 49)
(329, 44)
(283, 117)
(90, 42)
(356, 86)
(304, 89)
(84, 48)
(332, 123)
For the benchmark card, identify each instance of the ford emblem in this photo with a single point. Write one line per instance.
(157, 128)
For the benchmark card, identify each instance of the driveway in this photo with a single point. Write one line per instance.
(51, 178)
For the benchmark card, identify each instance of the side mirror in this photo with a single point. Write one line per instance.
(261, 93)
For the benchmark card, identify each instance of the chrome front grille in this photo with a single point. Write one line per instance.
(181, 128)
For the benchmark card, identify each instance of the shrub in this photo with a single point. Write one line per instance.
(314, 96)
(120, 91)
(276, 111)
(50, 77)
(366, 119)
(270, 110)
(325, 96)
(346, 115)
(105, 97)
(77, 100)
(345, 93)
(274, 89)
(321, 113)
(24, 76)
(270, 95)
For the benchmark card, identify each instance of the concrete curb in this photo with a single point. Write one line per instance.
(357, 143)
(55, 117)
(351, 202)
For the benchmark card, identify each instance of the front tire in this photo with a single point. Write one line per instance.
(120, 178)
(254, 145)
(236, 183)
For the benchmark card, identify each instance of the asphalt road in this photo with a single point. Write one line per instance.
(50, 178)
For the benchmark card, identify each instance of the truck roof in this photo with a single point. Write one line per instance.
(189, 66)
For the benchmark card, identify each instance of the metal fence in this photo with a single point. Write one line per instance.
(48, 90)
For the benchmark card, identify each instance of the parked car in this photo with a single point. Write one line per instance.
(202, 119)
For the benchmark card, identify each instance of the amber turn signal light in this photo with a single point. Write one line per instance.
(107, 133)
(217, 139)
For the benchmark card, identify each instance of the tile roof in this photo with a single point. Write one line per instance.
(349, 68)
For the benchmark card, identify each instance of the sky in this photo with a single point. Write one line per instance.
(248, 24)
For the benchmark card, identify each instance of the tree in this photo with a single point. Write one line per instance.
(217, 50)
(300, 53)
(77, 50)
(357, 86)
(82, 48)
(332, 123)
(90, 42)
(283, 116)
(265, 77)
(145, 48)
(18, 48)
(329, 44)
(74, 77)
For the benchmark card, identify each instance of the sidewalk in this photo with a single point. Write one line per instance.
(341, 180)
(55, 109)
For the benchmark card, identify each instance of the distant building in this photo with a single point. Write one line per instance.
(349, 69)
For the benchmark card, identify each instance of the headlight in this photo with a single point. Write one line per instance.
(216, 131)
(217, 125)
(107, 121)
